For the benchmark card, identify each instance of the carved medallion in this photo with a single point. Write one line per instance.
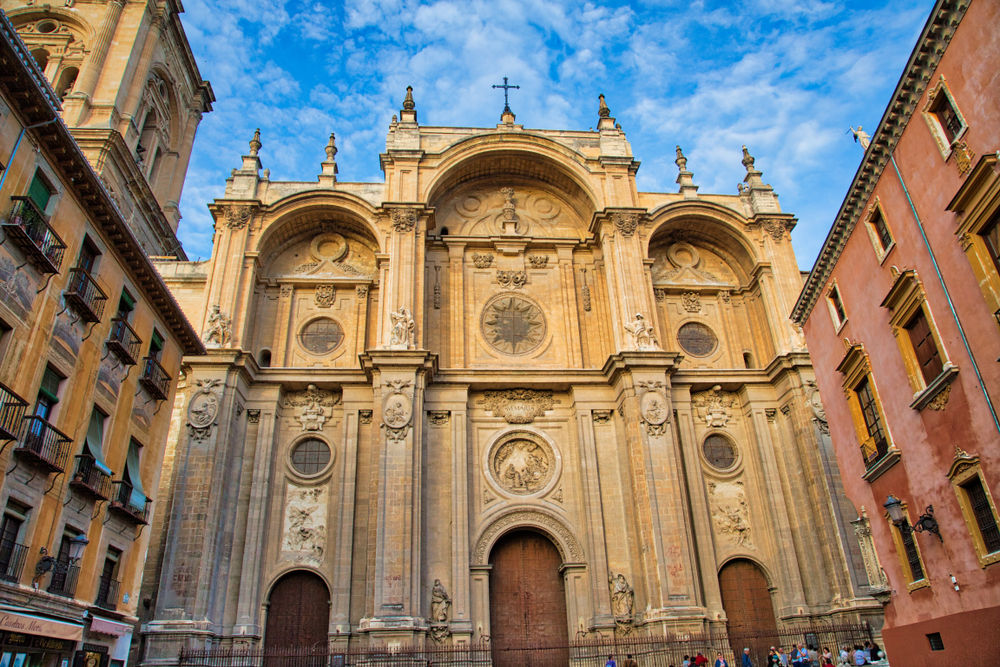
(654, 408)
(522, 463)
(518, 406)
(513, 325)
(325, 295)
(397, 410)
(204, 408)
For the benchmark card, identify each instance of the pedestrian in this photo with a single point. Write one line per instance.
(629, 662)
(827, 656)
(699, 660)
(845, 656)
(772, 658)
(876, 649)
(719, 660)
(813, 656)
(687, 661)
(746, 658)
(782, 657)
(797, 655)
(859, 656)
(611, 662)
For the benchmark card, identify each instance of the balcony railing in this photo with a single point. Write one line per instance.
(30, 230)
(121, 502)
(873, 450)
(65, 584)
(85, 296)
(107, 594)
(124, 342)
(155, 379)
(44, 444)
(89, 479)
(12, 557)
(12, 409)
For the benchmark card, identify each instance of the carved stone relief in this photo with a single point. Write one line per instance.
(585, 292)
(512, 279)
(625, 223)
(518, 406)
(401, 333)
(237, 215)
(569, 547)
(715, 406)
(325, 295)
(314, 406)
(538, 261)
(513, 325)
(328, 254)
(482, 261)
(622, 602)
(218, 330)
(691, 302)
(816, 403)
(304, 536)
(731, 512)
(603, 416)
(403, 219)
(438, 418)
(203, 409)
(365, 416)
(253, 416)
(440, 604)
(361, 291)
(641, 332)
(522, 463)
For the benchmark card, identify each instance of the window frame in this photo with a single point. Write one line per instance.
(904, 560)
(965, 467)
(945, 145)
(833, 297)
(856, 369)
(875, 210)
(907, 298)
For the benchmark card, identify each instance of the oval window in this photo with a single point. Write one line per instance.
(697, 339)
(321, 336)
(719, 451)
(310, 456)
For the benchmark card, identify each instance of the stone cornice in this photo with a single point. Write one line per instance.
(924, 59)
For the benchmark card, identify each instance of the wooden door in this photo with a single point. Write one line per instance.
(527, 602)
(298, 614)
(747, 601)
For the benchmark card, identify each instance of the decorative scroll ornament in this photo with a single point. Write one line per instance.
(401, 334)
(585, 292)
(816, 403)
(315, 406)
(731, 512)
(625, 223)
(253, 416)
(774, 227)
(361, 291)
(522, 463)
(438, 417)
(403, 219)
(219, 330)
(643, 337)
(622, 601)
(203, 409)
(512, 279)
(876, 575)
(603, 416)
(941, 400)
(304, 539)
(365, 416)
(715, 406)
(238, 215)
(660, 294)
(482, 261)
(538, 261)
(518, 406)
(325, 295)
(691, 301)
(963, 157)
(569, 547)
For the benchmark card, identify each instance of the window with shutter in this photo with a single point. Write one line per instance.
(39, 192)
(992, 237)
(924, 347)
(912, 555)
(877, 447)
(981, 509)
(881, 229)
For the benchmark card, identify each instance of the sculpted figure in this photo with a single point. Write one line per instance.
(622, 596)
(642, 333)
(218, 330)
(439, 603)
(402, 328)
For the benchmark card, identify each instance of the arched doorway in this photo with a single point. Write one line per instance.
(527, 601)
(298, 613)
(747, 601)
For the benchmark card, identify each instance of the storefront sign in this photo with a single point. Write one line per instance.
(33, 625)
(34, 641)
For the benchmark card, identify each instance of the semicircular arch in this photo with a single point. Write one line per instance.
(281, 574)
(570, 548)
(764, 570)
(24, 15)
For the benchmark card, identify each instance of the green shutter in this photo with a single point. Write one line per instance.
(138, 499)
(95, 442)
(50, 385)
(39, 193)
(156, 344)
(127, 302)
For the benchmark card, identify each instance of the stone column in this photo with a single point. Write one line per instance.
(593, 504)
(577, 597)
(461, 615)
(137, 81)
(629, 290)
(402, 286)
(480, 595)
(99, 48)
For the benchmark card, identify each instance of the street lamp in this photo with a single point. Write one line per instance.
(47, 563)
(925, 522)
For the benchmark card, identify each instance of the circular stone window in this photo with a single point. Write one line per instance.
(719, 451)
(522, 463)
(46, 27)
(513, 325)
(321, 336)
(697, 339)
(310, 456)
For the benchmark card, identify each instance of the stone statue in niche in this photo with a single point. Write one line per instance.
(642, 334)
(315, 405)
(622, 601)
(715, 406)
(219, 329)
(816, 403)
(440, 602)
(400, 336)
(304, 537)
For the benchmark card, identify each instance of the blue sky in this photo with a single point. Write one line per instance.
(785, 77)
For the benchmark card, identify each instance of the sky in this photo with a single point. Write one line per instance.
(785, 77)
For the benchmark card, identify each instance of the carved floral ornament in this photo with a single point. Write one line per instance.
(238, 215)
(314, 406)
(203, 409)
(625, 223)
(518, 406)
(570, 549)
(403, 219)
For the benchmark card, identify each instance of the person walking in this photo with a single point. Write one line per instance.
(629, 662)
(720, 661)
(611, 662)
(827, 656)
(772, 658)
(746, 658)
(783, 657)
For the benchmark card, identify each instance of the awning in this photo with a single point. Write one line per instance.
(104, 627)
(37, 625)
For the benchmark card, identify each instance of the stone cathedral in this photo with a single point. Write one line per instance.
(501, 394)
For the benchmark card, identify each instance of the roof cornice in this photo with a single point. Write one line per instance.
(24, 82)
(926, 55)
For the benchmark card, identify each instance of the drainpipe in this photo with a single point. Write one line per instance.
(947, 294)
(17, 143)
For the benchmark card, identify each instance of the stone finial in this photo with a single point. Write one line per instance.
(408, 103)
(685, 177)
(331, 148)
(603, 111)
(747, 159)
(394, 119)
(255, 143)
(681, 161)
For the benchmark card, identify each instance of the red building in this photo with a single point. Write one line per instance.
(902, 316)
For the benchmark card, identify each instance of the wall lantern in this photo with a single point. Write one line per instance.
(47, 563)
(926, 521)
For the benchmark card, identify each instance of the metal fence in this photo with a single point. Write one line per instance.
(590, 651)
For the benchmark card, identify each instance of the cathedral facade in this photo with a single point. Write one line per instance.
(500, 394)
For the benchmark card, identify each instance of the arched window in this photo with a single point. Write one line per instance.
(67, 79)
(265, 358)
(748, 360)
(146, 136)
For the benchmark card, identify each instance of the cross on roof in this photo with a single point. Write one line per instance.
(506, 87)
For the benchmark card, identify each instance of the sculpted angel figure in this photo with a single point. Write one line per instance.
(402, 328)
(622, 596)
(218, 328)
(642, 333)
(439, 602)
(861, 137)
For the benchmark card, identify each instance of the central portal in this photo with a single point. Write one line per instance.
(527, 601)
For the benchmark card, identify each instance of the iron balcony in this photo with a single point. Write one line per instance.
(124, 342)
(90, 480)
(121, 502)
(12, 409)
(65, 584)
(29, 229)
(155, 379)
(12, 558)
(107, 593)
(43, 444)
(84, 295)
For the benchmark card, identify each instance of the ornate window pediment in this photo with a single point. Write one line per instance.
(978, 508)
